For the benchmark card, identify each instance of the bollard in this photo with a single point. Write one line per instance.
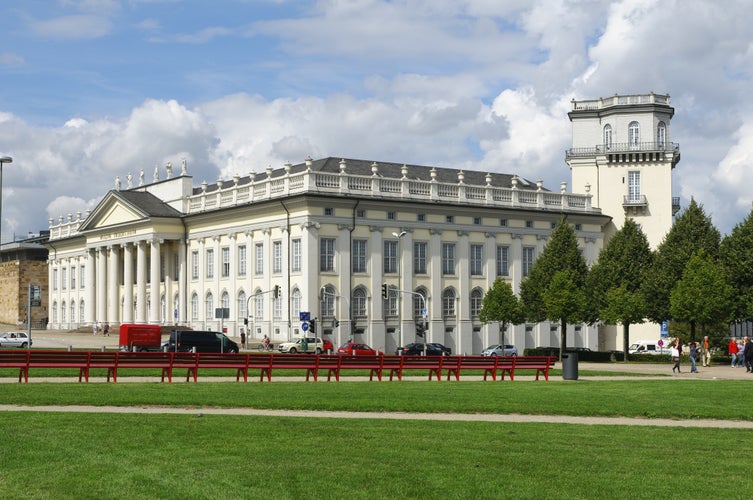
(70, 348)
(104, 348)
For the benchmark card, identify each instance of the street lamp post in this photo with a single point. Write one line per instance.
(399, 285)
(3, 160)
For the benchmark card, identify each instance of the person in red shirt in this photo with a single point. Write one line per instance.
(733, 350)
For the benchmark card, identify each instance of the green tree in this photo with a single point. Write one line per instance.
(615, 282)
(540, 291)
(691, 232)
(736, 256)
(702, 296)
(502, 305)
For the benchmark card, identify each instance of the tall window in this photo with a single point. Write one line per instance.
(63, 312)
(661, 135)
(503, 260)
(82, 277)
(225, 262)
(242, 260)
(634, 135)
(634, 186)
(477, 260)
(73, 311)
(476, 298)
(295, 303)
(295, 256)
(225, 300)
(328, 301)
(448, 258)
(242, 306)
(448, 303)
(327, 254)
(277, 308)
(359, 256)
(73, 279)
(259, 258)
(195, 306)
(390, 256)
(607, 136)
(390, 304)
(528, 255)
(419, 304)
(210, 263)
(419, 257)
(81, 310)
(259, 306)
(176, 267)
(64, 280)
(195, 265)
(277, 257)
(209, 307)
(358, 303)
(54, 279)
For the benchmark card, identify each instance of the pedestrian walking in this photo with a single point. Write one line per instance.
(732, 350)
(106, 329)
(676, 352)
(693, 353)
(94, 328)
(706, 351)
(243, 339)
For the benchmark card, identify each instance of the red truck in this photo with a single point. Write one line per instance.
(134, 337)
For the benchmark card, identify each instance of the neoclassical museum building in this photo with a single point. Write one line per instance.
(368, 249)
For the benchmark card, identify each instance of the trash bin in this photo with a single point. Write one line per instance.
(570, 366)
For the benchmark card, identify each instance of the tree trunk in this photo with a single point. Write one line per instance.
(626, 339)
(563, 336)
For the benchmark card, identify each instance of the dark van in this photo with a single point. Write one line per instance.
(187, 340)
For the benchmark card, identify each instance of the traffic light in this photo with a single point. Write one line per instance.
(384, 291)
(335, 323)
(421, 329)
(312, 325)
(276, 291)
(245, 321)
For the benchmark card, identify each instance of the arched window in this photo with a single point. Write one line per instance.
(448, 303)
(259, 305)
(55, 312)
(328, 301)
(225, 300)
(209, 307)
(661, 135)
(634, 135)
(477, 296)
(73, 311)
(62, 312)
(358, 302)
(81, 309)
(242, 306)
(295, 303)
(195, 306)
(607, 136)
(419, 303)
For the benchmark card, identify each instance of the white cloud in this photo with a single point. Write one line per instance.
(73, 27)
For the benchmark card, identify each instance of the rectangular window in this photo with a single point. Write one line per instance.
(295, 257)
(162, 267)
(477, 260)
(421, 217)
(450, 219)
(329, 212)
(259, 258)
(503, 222)
(225, 262)
(529, 224)
(390, 215)
(73, 277)
(529, 254)
(390, 256)
(448, 258)
(327, 254)
(210, 263)
(361, 214)
(277, 257)
(359, 256)
(503, 260)
(195, 265)
(477, 221)
(82, 277)
(176, 267)
(64, 280)
(242, 260)
(54, 279)
(634, 187)
(419, 257)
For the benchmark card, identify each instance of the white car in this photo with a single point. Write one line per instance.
(500, 350)
(312, 345)
(14, 339)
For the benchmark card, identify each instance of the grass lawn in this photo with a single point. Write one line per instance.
(107, 455)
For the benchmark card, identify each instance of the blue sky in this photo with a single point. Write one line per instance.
(95, 89)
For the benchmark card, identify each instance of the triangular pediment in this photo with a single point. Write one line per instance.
(112, 211)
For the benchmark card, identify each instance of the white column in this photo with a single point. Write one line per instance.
(91, 286)
(464, 329)
(169, 303)
(377, 332)
(127, 283)
(101, 284)
(154, 277)
(405, 263)
(183, 282)
(342, 303)
(113, 285)
(140, 282)
(436, 321)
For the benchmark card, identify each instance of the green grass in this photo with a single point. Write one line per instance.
(190, 456)
(679, 399)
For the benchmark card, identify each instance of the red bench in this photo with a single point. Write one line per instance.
(237, 362)
(539, 363)
(372, 363)
(161, 360)
(77, 360)
(308, 362)
(486, 363)
(431, 363)
(263, 363)
(16, 359)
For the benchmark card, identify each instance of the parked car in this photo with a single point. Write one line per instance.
(500, 350)
(329, 347)
(15, 339)
(357, 348)
(431, 349)
(302, 344)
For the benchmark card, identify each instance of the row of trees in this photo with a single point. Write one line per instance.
(695, 278)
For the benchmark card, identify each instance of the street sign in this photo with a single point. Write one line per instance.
(665, 329)
(423, 312)
(175, 314)
(36, 295)
(304, 316)
(305, 326)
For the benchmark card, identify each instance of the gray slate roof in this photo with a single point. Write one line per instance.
(149, 204)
